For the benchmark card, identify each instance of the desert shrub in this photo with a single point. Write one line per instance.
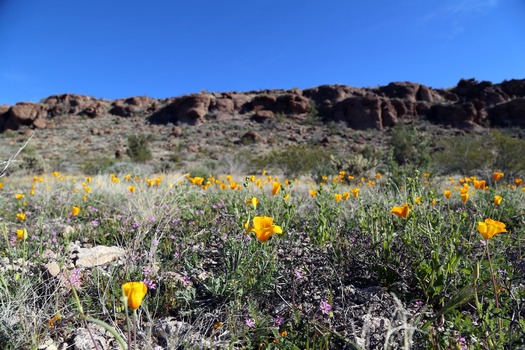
(359, 162)
(468, 154)
(97, 165)
(138, 148)
(409, 147)
(296, 160)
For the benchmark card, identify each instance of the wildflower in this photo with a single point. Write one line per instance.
(426, 174)
(75, 277)
(263, 228)
(489, 228)
(464, 196)
(254, 201)
(402, 211)
(497, 175)
(149, 283)
(338, 197)
(131, 189)
(21, 234)
(298, 274)
(325, 307)
(355, 192)
(313, 193)
(276, 187)
(378, 176)
(286, 196)
(278, 320)
(346, 195)
(518, 182)
(417, 200)
(21, 216)
(196, 180)
(447, 193)
(497, 200)
(249, 322)
(75, 211)
(480, 184)
(434, 201)
(19, 196)
(134, 293)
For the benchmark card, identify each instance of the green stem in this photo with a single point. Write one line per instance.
(494, 284)
(109, 329)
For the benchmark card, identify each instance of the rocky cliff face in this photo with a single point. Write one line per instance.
(467, 105)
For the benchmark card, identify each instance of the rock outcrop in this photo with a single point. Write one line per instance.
(467, 105)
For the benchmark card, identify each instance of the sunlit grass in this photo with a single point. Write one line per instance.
(268, 262)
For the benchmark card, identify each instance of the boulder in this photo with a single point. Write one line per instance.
(510, 114)
(459, 114)
(402, 90)
(263, 117)
(98, 255)
(360, 112)
(292, 103)
(95, 109)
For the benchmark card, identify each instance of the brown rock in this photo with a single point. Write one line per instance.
(263, 117)
(95, 109)
(39, 123)
(263, 101)
(360, 112)
(176, 131)
(292, 104)
(460, 115)
(510, 114)
(22, 113)
(403, 90)
(251, 137)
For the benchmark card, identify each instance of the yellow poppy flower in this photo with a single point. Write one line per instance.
(254, 201)
(464, 196)
(489, 228)
(263, 228)
(75, 211)
(497, 175)
(447, 193)
(21, 216)
(338, 197)
(355, 192)
(134, 293)
(19, 196)
(276, 187)
(402, 211)
(417, 200)
(518, 182)
(497, 200)
(346, 195)
(313, 193)
(131, 189)
(21, 234)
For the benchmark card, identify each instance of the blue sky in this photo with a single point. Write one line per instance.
(113, 48)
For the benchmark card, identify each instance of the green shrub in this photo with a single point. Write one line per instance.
(297, 160)
(138, 148)
(469, 154)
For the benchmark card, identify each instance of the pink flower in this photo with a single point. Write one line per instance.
(325, 307)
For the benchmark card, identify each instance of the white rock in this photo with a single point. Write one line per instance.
(98, 255)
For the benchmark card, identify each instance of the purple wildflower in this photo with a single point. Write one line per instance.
(325, 307)
(278, 320)
(249, 322)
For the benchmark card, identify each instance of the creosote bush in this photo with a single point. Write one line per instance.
(138, 148)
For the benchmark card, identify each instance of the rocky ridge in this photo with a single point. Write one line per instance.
(467, 105)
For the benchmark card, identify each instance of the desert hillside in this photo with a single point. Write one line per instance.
(87, 134)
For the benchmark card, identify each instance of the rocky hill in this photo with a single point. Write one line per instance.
(85, 125)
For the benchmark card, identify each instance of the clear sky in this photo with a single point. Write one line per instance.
(164, 48)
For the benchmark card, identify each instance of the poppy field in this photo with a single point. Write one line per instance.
(263, 261)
